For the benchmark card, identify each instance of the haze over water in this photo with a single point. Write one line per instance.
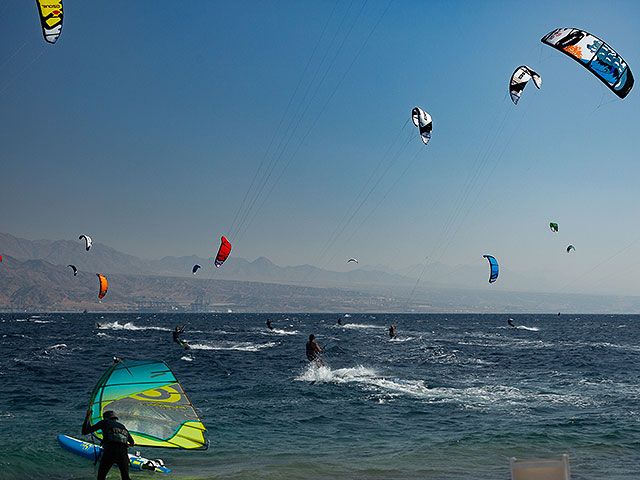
(454, 396)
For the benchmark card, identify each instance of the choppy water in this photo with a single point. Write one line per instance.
(454, 396)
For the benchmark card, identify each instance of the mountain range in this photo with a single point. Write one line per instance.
(34, 276)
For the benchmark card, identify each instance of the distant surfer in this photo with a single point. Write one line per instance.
(339, 320)
(510, 322)
(176, 337)
(99, 325)
(116, 441)
(558, 313)
(269, 324)
(392, 331)
(313, 351)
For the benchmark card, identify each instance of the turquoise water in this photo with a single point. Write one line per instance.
(454, 396)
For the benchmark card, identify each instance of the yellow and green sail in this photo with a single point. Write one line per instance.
(148, 399)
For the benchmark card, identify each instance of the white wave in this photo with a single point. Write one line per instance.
(342, 375)
(186, 358)
(401, 339)
(362, 325)
(58, 345)
(277, 331)
(240, 346)
(130, 326)
(346, 315)
(524, 327)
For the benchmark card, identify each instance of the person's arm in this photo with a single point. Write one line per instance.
(130, 440)
(86, 428)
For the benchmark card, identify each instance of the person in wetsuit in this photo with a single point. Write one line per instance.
(510, 322)
(392, 331)
(313, 351)
(269, 324)
(176, 337)
(116, 441)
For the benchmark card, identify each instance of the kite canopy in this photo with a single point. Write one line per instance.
(75, 270)
(595, 55)
(223, 252)
(352, 260)
(1, 258)
(553, 227)
(103, 285)
(422, 120)
(519, 80)
(50, 18)
(494, 268)
(87, 240)
(148, 399)
(570, 247)
(195, 268)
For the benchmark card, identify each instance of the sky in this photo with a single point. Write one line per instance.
(157, 127)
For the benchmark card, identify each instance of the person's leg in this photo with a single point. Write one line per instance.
(123, 463)
(106, 463)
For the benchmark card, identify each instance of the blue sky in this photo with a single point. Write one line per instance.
(145, 125)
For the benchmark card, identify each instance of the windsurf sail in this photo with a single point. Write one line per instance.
(150, 402)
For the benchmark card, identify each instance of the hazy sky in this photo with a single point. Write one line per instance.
(146, 124)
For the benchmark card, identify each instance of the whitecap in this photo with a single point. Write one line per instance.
(240, 346)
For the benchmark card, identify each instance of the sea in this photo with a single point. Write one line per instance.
(451, 397)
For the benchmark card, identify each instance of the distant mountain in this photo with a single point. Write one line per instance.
(104, 259)
(35, 276)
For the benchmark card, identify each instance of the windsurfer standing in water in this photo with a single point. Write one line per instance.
(313, 352)
(116, 441)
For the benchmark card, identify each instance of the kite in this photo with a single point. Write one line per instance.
(422, 120)
(195, 268)
(519, 80)
(494, 268)
(570, 247)
(50, 18)
(352, 260)
(1, 258)
(75, 270)
(553, 227)
(595, 55)
(150, 401)
(223, 252)
(88, 241)
(103, 285)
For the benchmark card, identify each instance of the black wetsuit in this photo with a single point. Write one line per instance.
(312, 352)
(269, 325)
(115, 444)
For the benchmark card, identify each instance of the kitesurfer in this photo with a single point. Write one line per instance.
(313, 351)
(116, 441)
(269, 324)
(510, 322)
(176, 337)
(392, 331)
(99, 325)
(339, 320)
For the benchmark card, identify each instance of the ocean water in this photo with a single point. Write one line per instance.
(452, 397)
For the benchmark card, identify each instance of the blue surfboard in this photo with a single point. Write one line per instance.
(91, 451)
